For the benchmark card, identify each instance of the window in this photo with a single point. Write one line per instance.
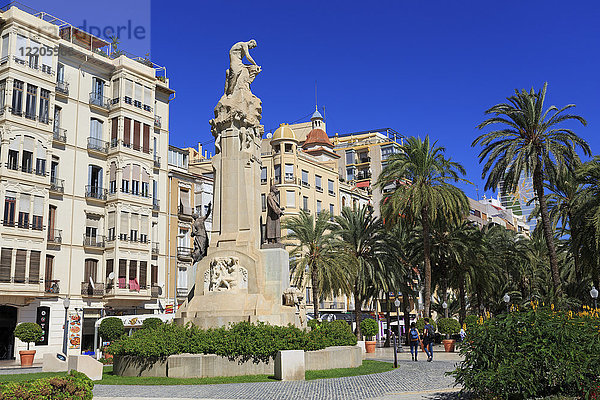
(289, 172)
(290, 198)
(34, 54)
(350, 174)
(9, 208)
(17, 98)
(124, 227)
(24, 207)
(50, 286)
(263, 202)
(154, 275)
(27, 161)
(21, 49)
(20, 265)
(96, 133)
(183, 239)
(143, 274)
(2, 95)
(127, 132)
(30, 105)
(305, 203)
(318, 206)
(126, 178)
(44, 105)
(122, 273)
(135, 187)
(277, 173)
(38, 213)
(134, 227)
(60, 73)
(263, 175)
(349, 157)
(40, 166)
(4, 54)
(133, 235)
(97, 89)
(318, 183)
(331, 210)
(146, 189)
(53, 234)
(330, 187)
(288, 148)
(57, 119)
(13, 159)
(305, 178)
(136, 135)
(91, 267)
(110, 267)
(144, 228)
(276, 148)
(386, 152)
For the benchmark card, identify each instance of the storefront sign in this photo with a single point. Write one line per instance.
(43, 320)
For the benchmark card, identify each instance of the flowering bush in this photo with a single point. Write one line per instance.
(75, 386)
(532, 353)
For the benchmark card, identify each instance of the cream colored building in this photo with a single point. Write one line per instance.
(83, 174)
(190, 193)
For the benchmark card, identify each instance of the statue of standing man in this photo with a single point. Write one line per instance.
(199, 234)
(274, 213)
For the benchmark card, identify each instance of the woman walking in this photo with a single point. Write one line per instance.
(415, 338)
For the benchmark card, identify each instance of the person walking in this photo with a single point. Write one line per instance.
(428, 336)
(415, 338)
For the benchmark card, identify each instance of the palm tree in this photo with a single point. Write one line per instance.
(360, 234)
(314, 254)
(528, 144)
(416, 183)
(589, 213)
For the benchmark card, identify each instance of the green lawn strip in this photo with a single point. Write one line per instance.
(368, 367)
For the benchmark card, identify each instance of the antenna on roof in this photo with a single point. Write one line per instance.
(316, 108)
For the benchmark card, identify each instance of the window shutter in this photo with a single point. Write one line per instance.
(5, 264)
(122, 268)
(24, 203)
(110, 220)
(138, 92)
(20, 265)
(34, 266)
(114, 129)
(124, 228)
(145, 176)
(38, 205)
(28, 144)
(113, 171)
(146, 139)
(127, 173)
(132, 269)
(127, 131)
(135, 222)
(110, 266)
(143, 274)
(4, 54)
(136, 135)
(21, 48)
(129, 88)
(40, 151)
(116, 88)
(144, 225)
(15, 143)
(154, 275)
(135, 176)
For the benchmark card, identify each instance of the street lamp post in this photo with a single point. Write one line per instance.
(397, 304)
(66, 303)
(445, 307)
(506, 299)
(594, 294)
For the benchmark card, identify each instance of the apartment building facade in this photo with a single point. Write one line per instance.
(83, 132)
(191, 194)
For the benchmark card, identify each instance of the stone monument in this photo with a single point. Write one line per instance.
(237, 280)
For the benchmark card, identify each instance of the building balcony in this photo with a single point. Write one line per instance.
(96, 193)
(59, 135)
(94, 242)
(57, 185)
(97, 145)
(156, 161)
(332, 305)
(156, 204)
(305, 184)
(62, 88)
(184, 253)
(92, 291)
(154, 291)
(125, 290)
(155, 248)
(52, 286)
(99, 101)
(54, 236)
(157, 121)
(182, 291)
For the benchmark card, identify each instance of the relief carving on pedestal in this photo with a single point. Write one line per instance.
(225, 274)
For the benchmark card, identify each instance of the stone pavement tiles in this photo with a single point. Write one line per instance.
(408, 377)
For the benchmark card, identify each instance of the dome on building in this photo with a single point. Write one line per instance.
(318, 136)
(316, 114)
(284, 132)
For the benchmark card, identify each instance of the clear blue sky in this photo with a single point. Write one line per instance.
(417, 67)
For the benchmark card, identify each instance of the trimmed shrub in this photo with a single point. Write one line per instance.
(151, 323)
(533, 353)
(421, 324)
(28, 332)
(244, 341)
(111, 329)
(75, 386)
(448, 326)
(369, 327)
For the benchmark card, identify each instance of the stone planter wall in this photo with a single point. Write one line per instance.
(211, 365)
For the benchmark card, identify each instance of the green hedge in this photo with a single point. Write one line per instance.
(75, 386)
(151, 323)
(243, 340)
(448, 326)
(531, 353)
(111, 328)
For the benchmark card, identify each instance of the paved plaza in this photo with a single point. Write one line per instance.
(411, 380)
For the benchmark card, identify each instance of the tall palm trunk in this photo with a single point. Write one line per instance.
(315, 291)
(388, 320)
(538, 185)
(427, 259)
(406, 305)
(462, 315)
(357, 311)
(574, 248)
